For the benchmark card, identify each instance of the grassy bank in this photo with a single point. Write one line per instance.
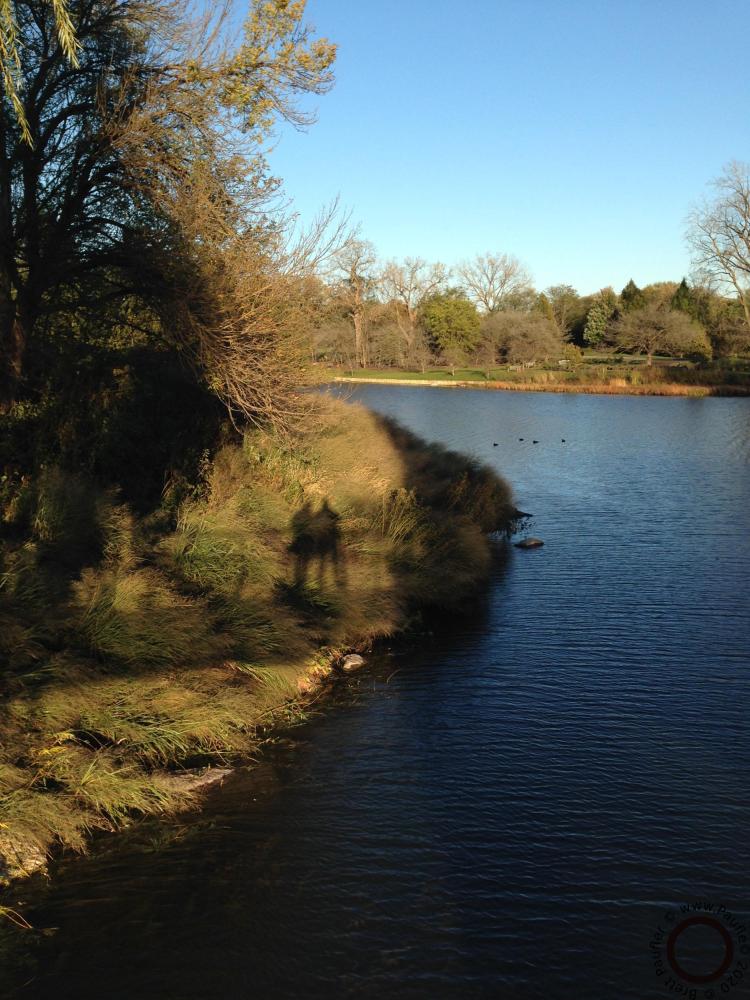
(137, 649)
(610, 379)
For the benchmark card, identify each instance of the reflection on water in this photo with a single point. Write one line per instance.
(509, 809)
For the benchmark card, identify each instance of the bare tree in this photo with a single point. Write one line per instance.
(719, 235)
(656, 327)
(407, 285)
(355, 269)
(493, 281)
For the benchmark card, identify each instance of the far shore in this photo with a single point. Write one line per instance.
(615, 387)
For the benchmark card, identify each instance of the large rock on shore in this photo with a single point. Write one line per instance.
(351, 663)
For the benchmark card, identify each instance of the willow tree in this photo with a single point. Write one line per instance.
(135, 179)
(10, 52)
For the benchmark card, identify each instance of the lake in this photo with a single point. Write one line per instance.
(525, 803)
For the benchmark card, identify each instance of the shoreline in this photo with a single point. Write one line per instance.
(615, 388)
(172, 657)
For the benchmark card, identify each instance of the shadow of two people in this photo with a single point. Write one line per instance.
(316, 544)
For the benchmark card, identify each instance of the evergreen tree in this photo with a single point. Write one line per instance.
(632, 297)
(599, 316)
(683, 299)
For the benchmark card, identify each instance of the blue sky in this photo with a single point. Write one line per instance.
(572, 133)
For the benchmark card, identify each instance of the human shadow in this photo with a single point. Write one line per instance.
(316, 545)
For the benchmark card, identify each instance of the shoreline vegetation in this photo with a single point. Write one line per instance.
(543, 381)
(613, 388)
(143, 650)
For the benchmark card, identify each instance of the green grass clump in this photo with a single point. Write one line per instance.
(136, 619)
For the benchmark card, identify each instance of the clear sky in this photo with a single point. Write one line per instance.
(572, 133)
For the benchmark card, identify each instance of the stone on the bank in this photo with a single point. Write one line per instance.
(352, 662)
(529, 543)
(194, 779)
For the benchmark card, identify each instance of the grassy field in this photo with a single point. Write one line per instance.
(137, 650)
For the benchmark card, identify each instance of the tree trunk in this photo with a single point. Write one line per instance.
(13, 338)
(745, 306)
(360, 348)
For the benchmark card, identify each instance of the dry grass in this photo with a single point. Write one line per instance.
(609, 387)
(127, 657)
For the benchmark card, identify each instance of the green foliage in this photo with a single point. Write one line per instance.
(544, 307)
(565, 303)
(631, 297)
(599, 317)
(684, 301)
(277, 60)
(452, 323)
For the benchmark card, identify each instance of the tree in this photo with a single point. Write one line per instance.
(729, 333)
(452, 323)
(407, 285)
(486, 351)
(660, 293)
(544, 308)
(11, 54)
(564, 301)
(683, 300)
(659, 328)
(356, 269)
(144, 188)
(599, 316)
(524, 338)
(719, 235)
(632, 297)
(492, 281)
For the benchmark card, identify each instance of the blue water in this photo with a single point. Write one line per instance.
(511, 808)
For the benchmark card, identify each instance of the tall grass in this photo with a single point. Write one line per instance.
(136, 619)
(131, 651)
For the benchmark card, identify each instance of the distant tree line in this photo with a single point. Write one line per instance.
(411, 314)
(486, 311)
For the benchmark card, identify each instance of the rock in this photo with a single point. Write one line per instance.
(19, 858)
(529, 543)
(352, 662)
(192, 780)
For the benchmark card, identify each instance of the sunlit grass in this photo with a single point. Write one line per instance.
(129, 655)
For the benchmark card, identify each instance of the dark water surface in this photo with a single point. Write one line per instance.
(511, 811)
